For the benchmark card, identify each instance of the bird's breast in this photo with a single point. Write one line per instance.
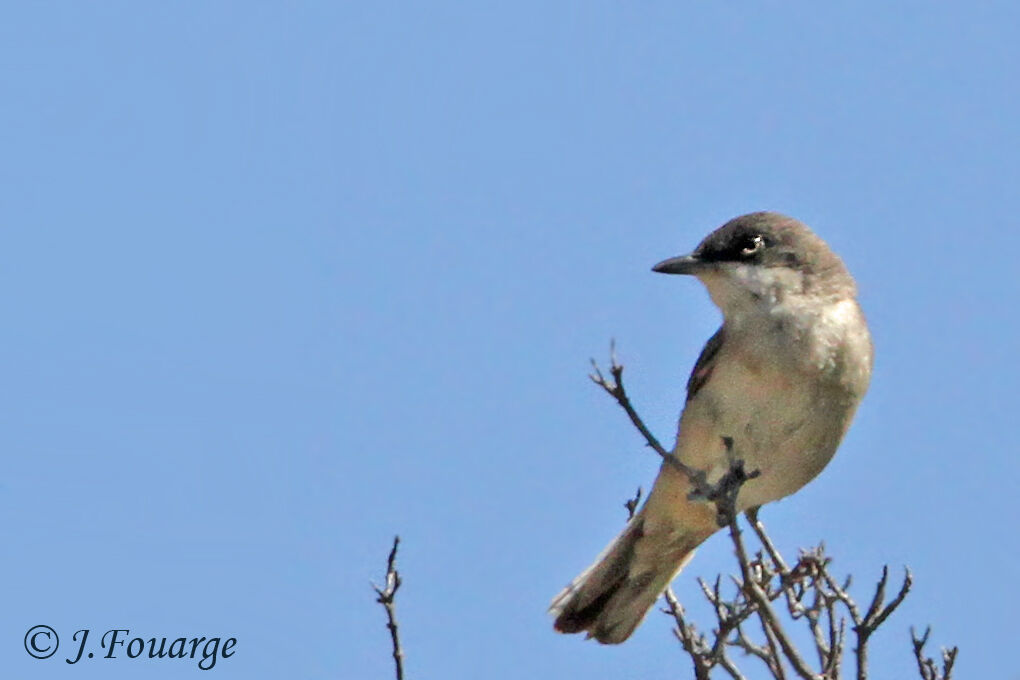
(770, 392)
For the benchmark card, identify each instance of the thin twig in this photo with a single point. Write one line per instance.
(766, 656)
(691, 640)
(768, 616)
(874, 617)
(770, 637)
(759, 531)
(925, 665)
(615, 389)
(386, 597)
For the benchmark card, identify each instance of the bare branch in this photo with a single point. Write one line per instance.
(877, 616)
(386, 597)
(616, 390)
(766, 656)
(614, 387)
(874, 617)
(925, 665)
(759, 530)
(770, 637)
(768, 616)
(691, 640)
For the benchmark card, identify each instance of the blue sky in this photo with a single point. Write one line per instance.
(283, 280)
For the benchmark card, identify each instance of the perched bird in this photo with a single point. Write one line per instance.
(778, 384)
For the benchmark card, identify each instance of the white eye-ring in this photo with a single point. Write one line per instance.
(754, 246)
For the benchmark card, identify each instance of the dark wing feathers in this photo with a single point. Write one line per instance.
(705, 364)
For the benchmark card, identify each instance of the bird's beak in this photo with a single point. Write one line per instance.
(684, 264)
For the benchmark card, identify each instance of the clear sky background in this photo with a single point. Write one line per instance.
(283, 280)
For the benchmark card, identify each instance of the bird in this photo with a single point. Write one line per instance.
(776, 386)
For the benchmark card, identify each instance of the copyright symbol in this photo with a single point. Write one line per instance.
(41, 642)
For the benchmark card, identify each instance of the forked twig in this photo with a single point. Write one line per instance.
(723, 493)
(386, 597)
(926, 665)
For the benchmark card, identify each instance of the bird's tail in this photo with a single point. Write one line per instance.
(611, 597)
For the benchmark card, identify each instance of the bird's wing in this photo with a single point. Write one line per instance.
(705, 364)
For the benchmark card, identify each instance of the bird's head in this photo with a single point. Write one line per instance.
(763, 259)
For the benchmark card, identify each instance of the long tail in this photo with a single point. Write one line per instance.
(611, 597)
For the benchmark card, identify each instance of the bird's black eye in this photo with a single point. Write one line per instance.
(751, 245)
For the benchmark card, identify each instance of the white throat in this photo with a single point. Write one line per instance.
(741, 290)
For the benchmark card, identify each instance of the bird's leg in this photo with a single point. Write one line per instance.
(724, 492)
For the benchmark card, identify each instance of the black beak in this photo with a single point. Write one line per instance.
(684, 264)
